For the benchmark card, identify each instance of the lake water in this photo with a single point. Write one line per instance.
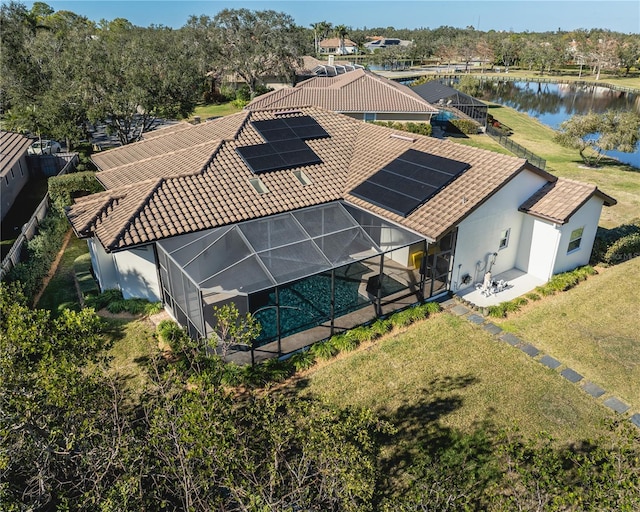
(552, 104)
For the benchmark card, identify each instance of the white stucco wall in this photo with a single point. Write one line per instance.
(479, 234)
(103, 265)
(137, 273)
(587, 216)
(538, 258)
(133, 272)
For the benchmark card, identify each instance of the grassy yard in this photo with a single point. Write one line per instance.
(450, 371)
(205, 111)
(61, 293)
(592, 328)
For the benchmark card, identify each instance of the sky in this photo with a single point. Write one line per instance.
(500, 15)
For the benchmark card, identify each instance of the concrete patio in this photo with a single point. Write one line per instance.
(518, 283)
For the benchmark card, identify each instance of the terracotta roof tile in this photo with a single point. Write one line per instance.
(356, 91)
(12, 147)
(558, 201)
(192, 195)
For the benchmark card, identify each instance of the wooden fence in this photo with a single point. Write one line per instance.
(30, 229)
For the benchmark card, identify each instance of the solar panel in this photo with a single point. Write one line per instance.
(301, 127)
(284, 146)
(409, 181)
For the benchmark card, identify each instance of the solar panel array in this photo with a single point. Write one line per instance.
(409, 181)
(284, 147)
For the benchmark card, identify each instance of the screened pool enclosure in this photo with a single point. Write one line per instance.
(308, 272)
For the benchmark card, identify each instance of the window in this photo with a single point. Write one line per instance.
(260, 187)
(575, 240)
(369, 117)
(504, 239)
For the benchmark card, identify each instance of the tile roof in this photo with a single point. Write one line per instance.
(205, 191)
(12, 147)
(334, 42)
(356, 91)
(559, 200)
(166, 140)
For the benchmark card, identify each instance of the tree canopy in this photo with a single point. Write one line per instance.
(592, 134)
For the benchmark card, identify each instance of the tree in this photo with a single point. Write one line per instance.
(257, 44)
(144, 74)
(619, 131)
(234, 329)
(63, 431)
(341, 32)
(628, 53)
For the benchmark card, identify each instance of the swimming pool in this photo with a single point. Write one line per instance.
(307, 303)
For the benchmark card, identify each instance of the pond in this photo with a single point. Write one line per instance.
(552, 104)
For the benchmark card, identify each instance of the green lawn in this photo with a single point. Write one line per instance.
(592, 328)
(205, 111)
(61, 292)
(448, 370)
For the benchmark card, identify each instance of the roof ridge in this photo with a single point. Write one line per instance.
(119, 168)
(134, 214)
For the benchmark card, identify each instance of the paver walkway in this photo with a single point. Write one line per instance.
(612, 402)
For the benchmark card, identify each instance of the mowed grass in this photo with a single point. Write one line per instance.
(222, 109)
(593, 328)
(447, 370)
(620, 181)
(60, 292)
(133, 343)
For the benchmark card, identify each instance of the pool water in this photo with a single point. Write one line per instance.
(307, 303)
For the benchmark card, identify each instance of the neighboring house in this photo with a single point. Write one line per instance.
(448, 99)
(316, 222)
(330, 67)
(14, 172)
(359, 94)
(386, 42)
(333, 46)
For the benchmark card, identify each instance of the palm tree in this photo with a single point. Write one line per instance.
(320, 31)
(341, 31)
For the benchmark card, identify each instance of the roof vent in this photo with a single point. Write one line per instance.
(402, 137)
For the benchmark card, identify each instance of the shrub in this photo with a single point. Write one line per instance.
(511, 306)
(63, 189)
(232, 374)
(623, 249)
(465, 125)
(363, 333)
(433, 307)
(323, 350)
(380, 327)
(520, 301)
(606, 238)
(497, 311)
(344, 342)
(302, 360)
(102, 300)
(171, 333)
(403, 318)
(533, 296)
(41, 252)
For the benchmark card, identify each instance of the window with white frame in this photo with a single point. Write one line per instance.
(575, 240)
(504, 239)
